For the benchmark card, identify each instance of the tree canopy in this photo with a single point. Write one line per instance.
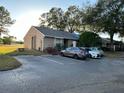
(5, 19)
(106, 16)
(72, 18)
(58, 19)
(54, 18)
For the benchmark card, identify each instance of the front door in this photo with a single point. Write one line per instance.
(65, 43)
(33, 42)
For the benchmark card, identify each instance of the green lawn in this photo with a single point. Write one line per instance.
(13, 50)
(8, 63)
(26, 52)
(115, 54)
(4, 49)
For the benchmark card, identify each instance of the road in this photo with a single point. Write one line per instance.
(56, 74)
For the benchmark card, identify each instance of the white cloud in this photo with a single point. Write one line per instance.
(23, 23)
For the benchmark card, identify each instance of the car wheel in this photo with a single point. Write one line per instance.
(62, 54)
(90, 56)
(76, 56)
(84, 58)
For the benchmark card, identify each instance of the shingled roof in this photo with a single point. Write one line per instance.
(56, 33)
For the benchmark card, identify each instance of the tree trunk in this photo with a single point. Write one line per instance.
(111, 41)
(71, 30)
(0, 34)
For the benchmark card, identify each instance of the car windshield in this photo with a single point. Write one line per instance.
(99, 48)
(75, 48)
(95, 49)
(68, 49)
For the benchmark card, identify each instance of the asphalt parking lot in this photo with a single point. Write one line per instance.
(56, 74)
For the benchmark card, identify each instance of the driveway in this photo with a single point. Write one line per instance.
(56, 74)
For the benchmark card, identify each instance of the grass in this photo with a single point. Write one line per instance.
(12, 50)
(5, 49)
(26, 52)
(116, 54)
(8, 63)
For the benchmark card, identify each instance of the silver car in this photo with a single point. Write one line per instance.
(74, 52)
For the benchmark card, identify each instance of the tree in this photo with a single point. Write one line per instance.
(7, 40)
(1, 40)
(89, 39)
(69, 20)
(54, 19)
(106, 16)
(72, 18)
(5, 20)
(43, 19)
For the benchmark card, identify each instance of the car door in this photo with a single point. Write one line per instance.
(72, 52)
(67, 52)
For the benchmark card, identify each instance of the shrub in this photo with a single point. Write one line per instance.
(1, 40)
(89, 39)
(51, 50)
(7, 40)
(59, 47)
(19, 42)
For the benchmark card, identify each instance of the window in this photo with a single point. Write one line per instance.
(68, 49)
(58, 41)
(75, 49)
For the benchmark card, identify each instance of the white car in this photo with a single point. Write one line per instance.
(95, 52)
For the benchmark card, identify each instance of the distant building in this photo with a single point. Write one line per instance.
(117, 45)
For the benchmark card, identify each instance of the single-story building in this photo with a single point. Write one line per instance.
(117, 45)
(40, 38)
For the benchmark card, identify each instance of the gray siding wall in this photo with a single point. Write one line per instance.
(48, 42)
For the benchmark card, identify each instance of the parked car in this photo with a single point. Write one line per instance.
(86, 51)
(95, 52)
(74, 52)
